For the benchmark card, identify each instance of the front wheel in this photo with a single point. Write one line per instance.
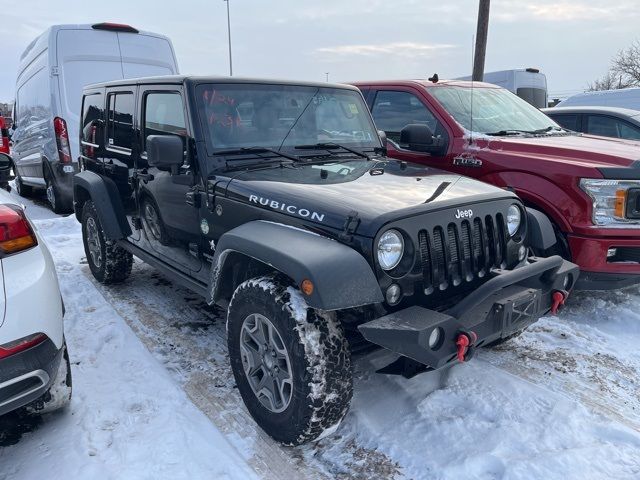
(109, 263)
(291, 363)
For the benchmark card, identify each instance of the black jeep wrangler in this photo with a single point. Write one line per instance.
(275, 200)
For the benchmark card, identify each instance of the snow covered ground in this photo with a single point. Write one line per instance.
(154, 398)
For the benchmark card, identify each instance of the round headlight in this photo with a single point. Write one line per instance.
(514, 217)
(390, 249)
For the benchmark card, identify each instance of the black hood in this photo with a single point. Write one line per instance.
(377, 191)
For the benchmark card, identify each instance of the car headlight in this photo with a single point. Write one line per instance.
(514, 219)
(614, 201)
(390, 249)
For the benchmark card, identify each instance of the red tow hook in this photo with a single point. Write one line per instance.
(464, 344)
(558, 299)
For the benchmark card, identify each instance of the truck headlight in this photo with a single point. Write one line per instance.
(390, 249)
(614, 201)
(514, 218)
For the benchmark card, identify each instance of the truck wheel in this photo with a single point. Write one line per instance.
(291, 363)
(23, 190)
(59, 394)
(108, 262)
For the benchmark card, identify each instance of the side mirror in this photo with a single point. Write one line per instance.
(165, 152)
(383, 138)
(417, 137)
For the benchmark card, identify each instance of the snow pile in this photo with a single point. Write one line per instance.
(128, 418)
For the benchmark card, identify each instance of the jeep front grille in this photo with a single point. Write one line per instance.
(462, 252)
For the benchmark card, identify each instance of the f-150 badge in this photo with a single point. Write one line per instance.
(461, 161)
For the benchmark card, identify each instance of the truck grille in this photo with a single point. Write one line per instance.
(461, 252)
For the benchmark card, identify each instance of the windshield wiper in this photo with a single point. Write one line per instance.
(332, 146)
(504, 133)
(241, 150)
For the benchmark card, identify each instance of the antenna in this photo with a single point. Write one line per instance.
(473, 42)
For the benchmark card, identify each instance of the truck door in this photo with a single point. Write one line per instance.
(394, 109)
(171, 224)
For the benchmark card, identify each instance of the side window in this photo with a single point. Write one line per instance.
(120, 121)
(570, 122)
(630, 132)
(393, 110)
(603, 126)
(164, 115)
(91, 131)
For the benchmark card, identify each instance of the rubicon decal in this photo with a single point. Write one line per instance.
(283, 207)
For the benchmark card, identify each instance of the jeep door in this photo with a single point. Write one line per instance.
(170, 223)
(119, 145)
(394, 108)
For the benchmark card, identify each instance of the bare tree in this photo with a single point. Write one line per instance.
(626, 64)
(610, 81)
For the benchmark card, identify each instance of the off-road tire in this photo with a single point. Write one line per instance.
(23, 190)
(116, 262)
(319, 354)
(58, 396)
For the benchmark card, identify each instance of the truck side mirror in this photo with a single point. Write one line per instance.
(165, 152)
(383, 138)
(418, 137)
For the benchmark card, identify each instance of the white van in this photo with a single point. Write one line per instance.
(623, 98)
(528, 83)
(53, 70)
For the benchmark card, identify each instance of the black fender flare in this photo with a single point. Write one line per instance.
(341, 276)
(541, 235)
(104, 194)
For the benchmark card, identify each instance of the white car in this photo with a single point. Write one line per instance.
(34, 363)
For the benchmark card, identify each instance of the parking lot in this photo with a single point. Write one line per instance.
(561, 400)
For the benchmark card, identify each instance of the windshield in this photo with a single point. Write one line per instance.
(238, 115)
(494, 110)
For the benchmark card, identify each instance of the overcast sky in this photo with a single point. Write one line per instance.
(571, 41)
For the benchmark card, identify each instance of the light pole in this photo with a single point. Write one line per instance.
(481, 40)
(327, 76)
(229, 32)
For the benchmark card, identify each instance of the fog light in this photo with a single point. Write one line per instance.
(612, 252)
(393, 295)
(434, 338)
(522, 252)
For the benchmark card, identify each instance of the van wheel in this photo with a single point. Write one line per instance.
(109, 263)
(58, 205)
(22, 189)
(291, 363)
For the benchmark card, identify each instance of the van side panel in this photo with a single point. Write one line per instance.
(146, 55)
(34, 118)
(84, 57)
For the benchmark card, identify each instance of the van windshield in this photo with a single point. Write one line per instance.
(283, 116)
(494, 110)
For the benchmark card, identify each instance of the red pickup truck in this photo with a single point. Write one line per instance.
(588, 186)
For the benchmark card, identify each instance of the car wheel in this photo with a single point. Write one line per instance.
(109, 263)
(153, 222)
(291, 363)
(58, 205)
(22, 189)
(59, 394)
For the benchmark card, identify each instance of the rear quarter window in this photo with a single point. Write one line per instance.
(92, 123)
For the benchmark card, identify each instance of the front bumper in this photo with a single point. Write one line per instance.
(27, 375)
(505, 304)
(602, 271)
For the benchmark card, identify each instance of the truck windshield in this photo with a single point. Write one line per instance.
(494, 110)
(239, 115)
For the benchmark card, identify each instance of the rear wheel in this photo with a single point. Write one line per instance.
(291, 363)
(58, 204)
(109, 263)
(22, 189)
